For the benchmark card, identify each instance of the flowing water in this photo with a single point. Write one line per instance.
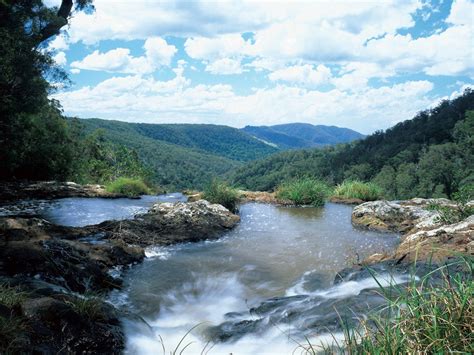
(259, 289)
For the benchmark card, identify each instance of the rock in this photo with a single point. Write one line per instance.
(346, 201)
(51, 190)
(424, 235)
(262, 197)
(397, 216)
(34, 247)
(170, 223)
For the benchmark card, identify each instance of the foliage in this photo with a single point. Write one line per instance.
(304, 191)
(365, 191)
(171, 166)
(422, 317)
(33, 134)
(431, 155)
(129, 187)
(221, 193)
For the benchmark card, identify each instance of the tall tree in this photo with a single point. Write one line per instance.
(25, 68)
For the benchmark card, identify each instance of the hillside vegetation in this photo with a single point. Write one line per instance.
(430, 155)
(170, 165)
(302, 135)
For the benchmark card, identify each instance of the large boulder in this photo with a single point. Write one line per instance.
(424, 235)
(170, 223)
(398, 216)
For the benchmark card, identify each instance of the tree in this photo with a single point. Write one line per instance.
(25, 109)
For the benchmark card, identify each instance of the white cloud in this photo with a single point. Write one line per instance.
(75, 71)
(461, 13)
(157, 53)
(60, 58)
(303, 74)
(356, 75)
(59, 43)
(144, 99)
(225, 66)
(224, 46)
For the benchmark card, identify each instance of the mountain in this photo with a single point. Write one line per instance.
(429, 155)
(302, 135)
(183, 155)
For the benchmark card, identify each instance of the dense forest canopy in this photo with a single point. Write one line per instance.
(430, 155)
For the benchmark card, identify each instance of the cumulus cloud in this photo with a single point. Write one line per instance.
(225, 66)
(157, 53)
(303, 74)
(145, 99)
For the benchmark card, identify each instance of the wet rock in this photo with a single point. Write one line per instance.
(51, 190)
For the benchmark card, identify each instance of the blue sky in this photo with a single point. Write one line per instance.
(357, 64)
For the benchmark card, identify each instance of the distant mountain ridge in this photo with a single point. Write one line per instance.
(302, 135)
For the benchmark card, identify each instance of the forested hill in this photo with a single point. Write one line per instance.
(429, 155)
(222, 141)
(182, 156)
(302, 135)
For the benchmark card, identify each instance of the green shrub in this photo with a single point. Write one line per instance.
(305, 191)
(365, 191)
(221, 193)
(129, 187)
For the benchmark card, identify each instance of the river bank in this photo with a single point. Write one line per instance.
(52, 276)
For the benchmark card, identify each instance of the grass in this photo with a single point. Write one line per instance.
(129, 187)
(11, 296)
(89, 307)
(420, 318)
(305, 191)
(221, 193)
(12, 327)
(365, 191)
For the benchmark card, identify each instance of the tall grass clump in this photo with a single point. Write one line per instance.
(221, 193)
(304, 191)
(365, 191)
(129, 187)
(421, 318)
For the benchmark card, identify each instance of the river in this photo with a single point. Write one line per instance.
(282, 256)
(262, 288)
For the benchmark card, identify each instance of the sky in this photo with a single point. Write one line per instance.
(365, 65)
